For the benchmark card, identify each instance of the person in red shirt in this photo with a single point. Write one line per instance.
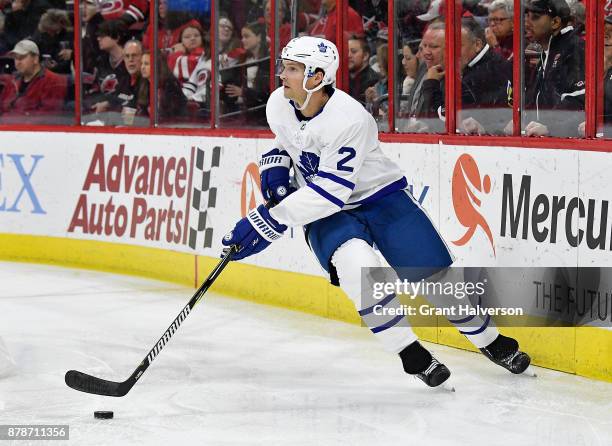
(187, 51)
(35, 94)
(326, 25)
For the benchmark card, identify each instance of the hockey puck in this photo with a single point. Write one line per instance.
(103, 414)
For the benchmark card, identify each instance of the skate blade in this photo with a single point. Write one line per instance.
(448, 386)
(529, 371)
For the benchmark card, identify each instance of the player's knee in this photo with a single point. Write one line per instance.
(351, 257)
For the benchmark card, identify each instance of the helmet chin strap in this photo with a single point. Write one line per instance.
(309, 92)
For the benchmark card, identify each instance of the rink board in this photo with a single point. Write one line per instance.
(158, 207)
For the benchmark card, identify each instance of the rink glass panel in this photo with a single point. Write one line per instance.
(411, 113)
(484, 70)
(243, 52)
(183, 68)
(54, 36)
(563, 114)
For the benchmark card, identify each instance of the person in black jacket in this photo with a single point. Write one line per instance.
(554, 102)
(486, 87)
(22, 19)
(486, 84)
(361, 75)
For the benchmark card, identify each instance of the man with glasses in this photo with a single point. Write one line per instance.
(554, 102)
(499, 33)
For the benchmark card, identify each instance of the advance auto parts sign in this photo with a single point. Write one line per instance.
(158, 200)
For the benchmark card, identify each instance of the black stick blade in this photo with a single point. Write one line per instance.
(90, 384)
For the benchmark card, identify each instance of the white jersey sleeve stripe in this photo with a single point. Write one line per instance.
(336, 179)
(326, 194)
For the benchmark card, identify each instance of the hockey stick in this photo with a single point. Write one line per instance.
(91, 384)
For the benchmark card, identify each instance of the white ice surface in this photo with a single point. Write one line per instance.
(241, 373)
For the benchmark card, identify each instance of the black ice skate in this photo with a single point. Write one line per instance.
(504, 351)
(418, 361)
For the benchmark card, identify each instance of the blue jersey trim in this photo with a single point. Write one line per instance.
(326, 194)
(389, 324)
(382, 303)
(480, 330)
(400, 184)
(336, 179)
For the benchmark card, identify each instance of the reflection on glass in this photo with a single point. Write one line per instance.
(554, 71)
(36, 84)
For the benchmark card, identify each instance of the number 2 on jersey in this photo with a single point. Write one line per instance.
(350, 154)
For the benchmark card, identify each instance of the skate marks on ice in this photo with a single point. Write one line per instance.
(240, 373)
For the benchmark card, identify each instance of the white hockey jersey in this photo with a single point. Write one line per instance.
(337, 160)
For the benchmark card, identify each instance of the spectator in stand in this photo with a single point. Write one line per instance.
(228, 45)
(423, 115)
(499, 33)
(110, 72)
(253, 93)
(4, 43)
(22, 19)
(361, 75)
(36, 95)
(132, 58)
(486, 84)
(187, 52)
(554, 103)
(171, 105)
(54, 41)
(578, 17)
(410, 64)
(435, 13)
(325, 26)
(375, 95)
(170, 26)
(374, 13)
(89, 41)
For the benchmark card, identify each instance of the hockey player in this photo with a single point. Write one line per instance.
(349, 197)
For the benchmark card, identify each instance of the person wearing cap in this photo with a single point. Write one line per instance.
(435, 12)
(37, 92)
(554, 102)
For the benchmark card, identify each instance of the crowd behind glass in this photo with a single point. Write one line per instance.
(119, 48)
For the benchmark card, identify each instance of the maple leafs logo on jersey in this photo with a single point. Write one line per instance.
(308, 165)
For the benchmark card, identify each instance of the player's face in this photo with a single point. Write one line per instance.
(433, 47)
(292, 77)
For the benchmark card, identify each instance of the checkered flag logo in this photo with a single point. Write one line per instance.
(204, 197)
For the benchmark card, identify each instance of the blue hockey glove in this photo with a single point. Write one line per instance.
(254, 233)
(274, 170)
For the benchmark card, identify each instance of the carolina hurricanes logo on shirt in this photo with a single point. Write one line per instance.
(308, 165)
(109, 84)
